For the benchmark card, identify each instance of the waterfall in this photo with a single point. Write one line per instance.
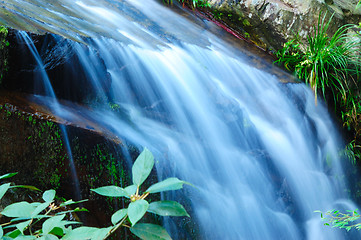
(261, 155)
(47, 90)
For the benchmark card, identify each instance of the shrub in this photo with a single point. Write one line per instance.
(329, 63)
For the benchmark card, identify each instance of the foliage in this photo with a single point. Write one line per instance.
(193, 3)
(358, 5)
(328, 63)
(337, 219)
(352, 152)
(3, 51)
(47, 220)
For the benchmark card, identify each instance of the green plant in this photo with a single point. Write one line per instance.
(194, 3)
(358, 5)
(3, 51)
(47, 220)
(138, 206)
(337, 219)
(329, 63)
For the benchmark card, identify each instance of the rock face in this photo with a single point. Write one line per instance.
(32, 144)
(270, 23)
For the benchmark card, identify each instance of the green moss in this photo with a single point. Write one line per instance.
(4, 44)
(246, 23)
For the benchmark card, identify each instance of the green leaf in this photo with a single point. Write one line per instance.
(131, 189)
(136, 210)
(73, 210)
(27, 187)
(48, 237)
(142, 167)
(21, 226)
(69, 202)
(3, 189)
(20, 209)
(119, 215)
(80, 233)
(100, 233)
(51, 223)
(23, 237)
(149, 231)
(110, 191)
(1, 232)
(39, 209)
(8, 175)
(65, 222)
(49, 195)
(58, 231)
(168, 208)
(166, 185)
(14, 233)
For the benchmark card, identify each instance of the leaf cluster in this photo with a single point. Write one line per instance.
(337, 219)
(46, 220)
(36, 220)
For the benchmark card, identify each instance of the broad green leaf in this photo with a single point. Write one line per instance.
(23, 237)
(166, 185)
(21, 226)
(8, 175)
(27, 218)
(100, 233)
(51, 223)
(14, 233)
(48, 237)
(136, 210)
(1, 232)
(131, 189)
(168, 208)
(65, 222)
(149, 231)
(20, 209)
(142, 167)
(69, 202)
(110, 191)
(49, 195)
(119, 215)
(27, 187)
(80, 233)
(3, 189)
(58, 231)
(39, 209)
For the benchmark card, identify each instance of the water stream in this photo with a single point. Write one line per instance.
(45, 88)
(262, 156)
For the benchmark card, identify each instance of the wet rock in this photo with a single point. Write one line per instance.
(271, 23)
(32, 144)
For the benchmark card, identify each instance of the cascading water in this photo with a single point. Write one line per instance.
(262, 156)
(47, 90)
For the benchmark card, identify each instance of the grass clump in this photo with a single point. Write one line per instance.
(330, 65)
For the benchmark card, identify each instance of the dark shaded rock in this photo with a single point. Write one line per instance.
(32, 144)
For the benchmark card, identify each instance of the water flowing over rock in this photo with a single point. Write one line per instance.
(261, 155)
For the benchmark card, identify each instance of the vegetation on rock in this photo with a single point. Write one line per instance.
(330, 65)
(3, 51)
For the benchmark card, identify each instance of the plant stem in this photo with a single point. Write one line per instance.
(116, 227)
